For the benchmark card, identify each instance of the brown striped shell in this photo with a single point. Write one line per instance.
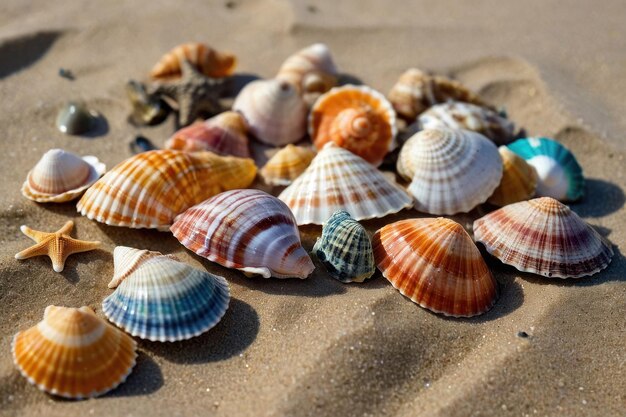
(207, 60)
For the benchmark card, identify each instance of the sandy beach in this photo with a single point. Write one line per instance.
(318, 347)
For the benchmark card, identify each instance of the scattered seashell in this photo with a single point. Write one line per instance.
(275, 112)
(247, 230)
(345, 249)
(76, 119)
(141, 144)
(544, 237)
(560, 175)
(163, 299)
(357, 118)
(149, 189)
(467, 116)
(415, 91)
(435, 263)
(204, 58)
(74, 354)
(287, 165)
(224, 134)
(148, 109)
(337, 179)
(452, 171)
(61, 176)
(519, 179)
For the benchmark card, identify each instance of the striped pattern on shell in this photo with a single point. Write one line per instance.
(311, 69)
(337, 179)
(207, 60)
(345, 249)
(164, 299)
(149, 189)
(287, 165)
(74, 354)
(126, 261)
(519, 179)
(544, 237)
(248, 230)
(435, 263)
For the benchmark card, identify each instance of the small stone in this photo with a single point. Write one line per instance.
(523, 335)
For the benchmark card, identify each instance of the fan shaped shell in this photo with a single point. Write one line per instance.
(207, 60)
(311, 69)
(247, 230)
(545, 237)
(149, 189)
(337, 179)
(74, 354)
(287, 165)
(519, 179)
(126, 261)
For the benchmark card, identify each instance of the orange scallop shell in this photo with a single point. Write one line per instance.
(519, 179)
(435, 263)
(207, 60)
(287, 165)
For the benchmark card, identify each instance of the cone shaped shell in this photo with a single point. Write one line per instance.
(287, 165)
(435, 263)
(560, 175)
(452, 170)
(166, 300)
(459, 115)
(545, 237)
(311, 70)
(356, 118)
(248, 230)
(275, 112)
(126, 261)
(519, 179)
(224, 134)
(336, 180)
(207, 60)
(345, 249)
(149, 189)
(74, 354)
(61, 176)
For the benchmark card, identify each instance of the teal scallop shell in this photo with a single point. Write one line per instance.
(345, 249)
(560, 175)
(164, 299)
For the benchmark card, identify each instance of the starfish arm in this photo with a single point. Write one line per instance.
(35, 235)
(67, 228)
(39, 249)
(72, 245)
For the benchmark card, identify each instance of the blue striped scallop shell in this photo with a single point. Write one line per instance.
(345, 249)
(560, 175)
(167, 300)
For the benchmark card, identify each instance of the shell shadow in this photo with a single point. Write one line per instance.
(69, 271)
(238, 82)
(601, 198)
(145, 379)
(231, 336)
(100, 128)
(345, 79)
(21, 52)
(67, 210)
(151, 239)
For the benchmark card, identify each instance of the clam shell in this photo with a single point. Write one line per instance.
(519, 179)
(126, 261)
(275, 112)
(545, 237)
(61, 176)
(459, 115)
(149, 189)
(415, 91)
(76, 119)
(224, 134)
(452, 171)
(247, 230)
(287, 165)
(164, 299)
(345, 249)
(207, 60)
(337, 179)
(560, 175)
(357, 118)
(74, 354)
(435, 263)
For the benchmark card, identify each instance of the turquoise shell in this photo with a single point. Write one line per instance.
(345, 249)
(167, 300)
(560, 175)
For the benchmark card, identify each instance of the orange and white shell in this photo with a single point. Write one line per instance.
(519, 179)
(207, 60)
(415, 91)
(275, 111)
(311, 70)
(435, 263)
(356, 118)
(73, 353)
(451, 171)
(336, 180)
(287, 164)
(126, 261)
(61, 176)
(149, 189)
(224, 134)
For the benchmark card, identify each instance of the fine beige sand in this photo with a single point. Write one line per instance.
(318, 347)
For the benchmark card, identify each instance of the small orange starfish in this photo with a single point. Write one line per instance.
(58, 245)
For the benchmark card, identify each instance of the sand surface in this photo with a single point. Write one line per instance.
(318, 347)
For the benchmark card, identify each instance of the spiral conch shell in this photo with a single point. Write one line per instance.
(519, 179)
(149, 189)
(287, 165)
(207, 60)
(274, 110)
